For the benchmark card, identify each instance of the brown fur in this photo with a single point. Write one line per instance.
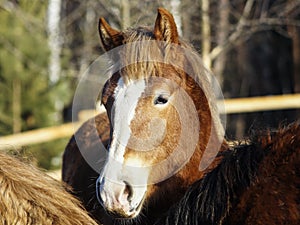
(77, 173)
(274, 196)
(257, 182)
(165, 30)
(29, 197)
(161, 196)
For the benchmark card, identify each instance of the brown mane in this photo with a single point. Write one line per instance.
(255, 183)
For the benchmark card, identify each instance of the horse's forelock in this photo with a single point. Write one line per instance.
(141, 58)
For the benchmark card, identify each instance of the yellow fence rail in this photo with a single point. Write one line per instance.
(238, 105)
(265, 103)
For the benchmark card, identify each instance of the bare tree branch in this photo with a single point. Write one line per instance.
(236, 34)
(246, 24)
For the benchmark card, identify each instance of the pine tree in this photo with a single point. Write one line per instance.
(27, 98)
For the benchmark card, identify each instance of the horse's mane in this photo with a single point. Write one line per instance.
(142, 57)
(209, 200)
(213, 195)
(29, 196)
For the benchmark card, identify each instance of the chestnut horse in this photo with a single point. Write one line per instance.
(29, 196)
(160, 94)
(160, 104)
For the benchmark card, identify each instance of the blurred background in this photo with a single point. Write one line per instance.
(251, 46)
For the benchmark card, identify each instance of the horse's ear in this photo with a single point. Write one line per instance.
(165, 27)
(110, 38)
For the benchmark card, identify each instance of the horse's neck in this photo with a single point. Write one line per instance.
(218, 157)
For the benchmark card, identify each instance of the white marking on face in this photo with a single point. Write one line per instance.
(126, 100)
(116, 175)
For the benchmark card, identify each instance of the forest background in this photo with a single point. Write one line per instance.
(251, 46)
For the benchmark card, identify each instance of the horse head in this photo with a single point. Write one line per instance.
(161, 114)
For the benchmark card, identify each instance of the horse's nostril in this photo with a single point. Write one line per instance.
(128, 191)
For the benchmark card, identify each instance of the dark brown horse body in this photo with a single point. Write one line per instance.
(255, 183)
(76, 171)
(234, 189)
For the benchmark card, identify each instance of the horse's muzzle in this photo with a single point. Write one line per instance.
(120, 200)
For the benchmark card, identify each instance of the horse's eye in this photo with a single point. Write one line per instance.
(160, 100)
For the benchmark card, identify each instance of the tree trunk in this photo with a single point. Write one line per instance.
(295, 35)
(175, 10)
(222, 35)
(206, 35)
(54, 8)
(125, 12)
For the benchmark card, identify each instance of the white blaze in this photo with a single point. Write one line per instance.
(115, 173)
(123, 112)
(126, 100)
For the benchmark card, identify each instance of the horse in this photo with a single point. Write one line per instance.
(77, 173)
(155, 95)
(30, 196)
(257, 182)
(162, 85)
